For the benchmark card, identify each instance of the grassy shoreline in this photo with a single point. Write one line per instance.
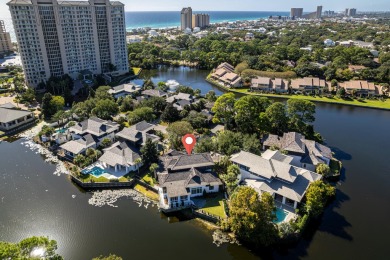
(374, 104)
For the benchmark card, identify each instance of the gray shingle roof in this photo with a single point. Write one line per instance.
(9, 115)
(154, 93)
(294, 191)
(137, 132)
(121, 154)
(185, 162)
(310, 151)
(177, 183)
(95, 126)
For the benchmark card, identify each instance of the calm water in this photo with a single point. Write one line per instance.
(184, 75)
(33, 201)
(172, 18)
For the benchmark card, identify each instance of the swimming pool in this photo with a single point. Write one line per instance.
(61, 130)
(280, 215)
(95, 171)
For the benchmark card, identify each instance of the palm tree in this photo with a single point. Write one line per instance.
(153, 169)
(137, 162)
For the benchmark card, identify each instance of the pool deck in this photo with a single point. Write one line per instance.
(108, 173)
(291, 211)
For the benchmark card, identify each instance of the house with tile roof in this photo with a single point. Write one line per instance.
(273, 172)
(182, 177)
(305, 153)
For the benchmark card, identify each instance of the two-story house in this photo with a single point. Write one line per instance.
(305, 153)
(183, 177)
(274, 173)
(89, 134)
(138, 134)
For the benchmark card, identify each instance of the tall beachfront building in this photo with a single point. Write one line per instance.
(296, 12)
(186, 18)
(5, 40)
(200, 20)
(70, 37)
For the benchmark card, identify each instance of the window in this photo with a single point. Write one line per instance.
(174, 199)
(198, 190)
(211, 187)
(183, 198)
(164, 190)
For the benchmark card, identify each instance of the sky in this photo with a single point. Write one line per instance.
(241, 5)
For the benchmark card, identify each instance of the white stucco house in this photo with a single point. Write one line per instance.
(305, 153)
(274, 173)
(120, 157)
(89, 134)
(183, 177)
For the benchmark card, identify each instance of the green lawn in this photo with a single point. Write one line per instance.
(214, 205)
(148, 193)
(354, 102)
(89, 178)
(148, 179)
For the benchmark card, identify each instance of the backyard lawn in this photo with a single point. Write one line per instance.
(148, 193)
(89, 178)
(214, 205)
(385, 104)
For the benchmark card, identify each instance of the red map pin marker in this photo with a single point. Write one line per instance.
(189, 142)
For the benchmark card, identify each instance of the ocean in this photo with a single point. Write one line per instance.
(172, 18)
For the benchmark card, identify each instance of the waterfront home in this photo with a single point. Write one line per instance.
(277, 85)
(87, 134)
(78, 146)
(182, 177)
(154, 93)
(138, 134)
(361, 88)
(180, 96)
(124, 90)
(305, 153)
(99, 129)
(309, 84)
(12, 118)
(274, 173)
(121, 157)
(224, 74)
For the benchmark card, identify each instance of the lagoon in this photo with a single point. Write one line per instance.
(33, 201)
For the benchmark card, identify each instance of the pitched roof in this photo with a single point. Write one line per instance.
(8, 105)
(154, 93)
(77, 146)
(95, 126)
(185, 162)
(177, 183)
(256, 164)
(294, 191)
(8, 115)
(135, 132)
(121, 154)
(129, 88)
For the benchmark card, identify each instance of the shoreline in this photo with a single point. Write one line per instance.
(310, 98)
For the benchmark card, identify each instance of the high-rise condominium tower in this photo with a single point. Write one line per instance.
(186, 18)
(5, 39)
(67, 37)
(200, 20)
(296, 12)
